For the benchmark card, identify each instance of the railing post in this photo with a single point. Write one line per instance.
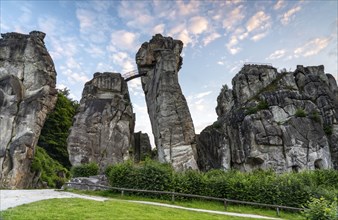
(277, 211)
(122, 193)
(225, 203)
(172, 197)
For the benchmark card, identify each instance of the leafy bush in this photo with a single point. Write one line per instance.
(321, 209)
(300, 113)
(85, 170)
(50, 171)
(290, 189)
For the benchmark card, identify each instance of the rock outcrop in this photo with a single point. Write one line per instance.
(103, 128)
(270, 120)
(173, 129)
(27, 94)
(142, 146)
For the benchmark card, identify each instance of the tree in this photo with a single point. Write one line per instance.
(55, 131)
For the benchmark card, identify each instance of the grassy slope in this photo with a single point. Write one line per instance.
(202, 204)
(87, 209)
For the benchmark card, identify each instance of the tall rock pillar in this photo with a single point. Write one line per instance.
(104, 125)
(173, 129)
(27, 94)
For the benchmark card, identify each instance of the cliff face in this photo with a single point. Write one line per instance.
(104, 125)
(283, 121)
(160, 60)
(27, 94)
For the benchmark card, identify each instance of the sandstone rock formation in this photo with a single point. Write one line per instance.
(142, 146)
(283, 121)
(27, 94)
(173, 129)
(104, 125)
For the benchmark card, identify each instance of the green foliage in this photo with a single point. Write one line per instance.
(51, 172)
(290, 189)
(328, 129)
(321, 209)
(55, 131)
(315, 116)
(262, 104)
(85, 170)
(300, 113)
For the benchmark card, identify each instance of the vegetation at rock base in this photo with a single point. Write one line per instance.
(85, 170)
(321, 209)
(49, 170)
(55, 131)
(328, 129)
(290, 189)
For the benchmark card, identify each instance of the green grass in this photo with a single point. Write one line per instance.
(201, 204)
(87, 209)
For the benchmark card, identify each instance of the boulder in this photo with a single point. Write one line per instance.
(27, 95)
(104, 124)
(160, 60)
(270, 120)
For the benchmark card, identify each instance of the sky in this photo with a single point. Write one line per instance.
(84, 37)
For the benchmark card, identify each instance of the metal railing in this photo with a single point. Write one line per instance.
(173, 194)
(132, 75)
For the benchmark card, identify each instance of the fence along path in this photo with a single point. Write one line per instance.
(173, 194)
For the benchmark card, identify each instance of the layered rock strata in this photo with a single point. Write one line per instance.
(173, 129)
(270, 120)
(103, 128)
(27, 94)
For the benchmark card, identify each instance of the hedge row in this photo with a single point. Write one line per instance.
(290, 189)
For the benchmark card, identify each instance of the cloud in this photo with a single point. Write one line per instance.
(259, 36)
(158, 29)
(191, 7)
(198, 25)
(277, 55)
(181, 32)
(233, 18)
(203, 94)
(312, 47)
(124, 61)
(210, 38)
(231, 45)
(279, 4)
(124, 40)
(259, 21)
(85, 18)
(289, 15)
(26, 14)
(94, 51)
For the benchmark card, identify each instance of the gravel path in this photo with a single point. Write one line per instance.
(13, 198)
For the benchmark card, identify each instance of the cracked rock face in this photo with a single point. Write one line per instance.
(104, 125)
(281, 121)
(169, 114)
(27, 94)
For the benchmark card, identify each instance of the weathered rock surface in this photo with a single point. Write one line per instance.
(170, 118)
(104, 125)
(270, 120)
(27, 94)
(142, 146)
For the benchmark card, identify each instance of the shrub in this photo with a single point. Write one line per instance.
(315, 116)
(328, 129)
(260, 106)
(290, 189)
(321, 209)
(50, 171)
(300, 113)
(85, 170)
